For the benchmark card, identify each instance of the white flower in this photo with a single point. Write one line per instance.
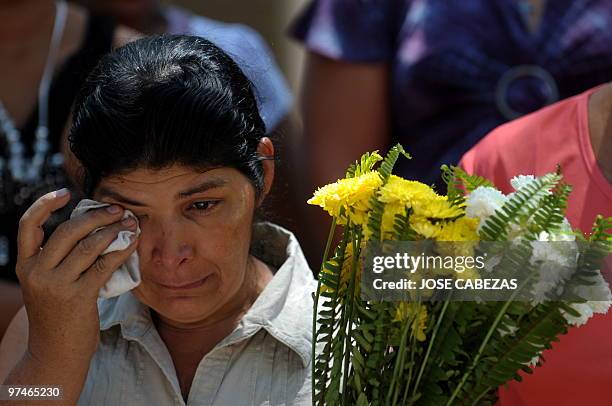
(521, 180)
(602, 296)
(564, 233)
(585, 314)
(557, 254)
(548, 281)
(556, 261)
(598, 294)
(491, 262)
(599, 306)
(482, 203)
(560, 253)
(515, 232)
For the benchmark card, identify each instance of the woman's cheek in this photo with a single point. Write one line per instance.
(233, 219)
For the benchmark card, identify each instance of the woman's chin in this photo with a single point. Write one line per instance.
(184, 309)
(187, 306)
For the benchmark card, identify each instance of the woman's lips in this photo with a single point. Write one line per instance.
(185, 286)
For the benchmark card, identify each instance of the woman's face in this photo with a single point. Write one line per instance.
(195, 236)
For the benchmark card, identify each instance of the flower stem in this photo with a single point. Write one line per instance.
(330, 236)
(484, 392)
(356, 240)
(430, 345)
(413, 345)
(492, 329)
(399, 362)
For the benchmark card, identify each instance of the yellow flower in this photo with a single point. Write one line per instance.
(462, 229)
(458, 237)
(404, 192)
(347, 270)
(352, 194)
(437, 207)
(399, 194)
(418, 315)
(352, 197)
(469, 273)
(359, 217)
(424, 227)
(388, 218)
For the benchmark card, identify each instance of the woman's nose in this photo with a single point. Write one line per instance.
(171, 247)
(172, 255)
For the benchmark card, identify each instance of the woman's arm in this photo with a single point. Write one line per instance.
(18, 367)
(345, 108)
(60, 281)
(10, 302)
(14, 343)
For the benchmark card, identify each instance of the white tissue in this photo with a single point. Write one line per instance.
(127, 276)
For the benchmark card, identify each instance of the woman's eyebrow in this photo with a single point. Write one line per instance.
(105, 192)
(202, 187)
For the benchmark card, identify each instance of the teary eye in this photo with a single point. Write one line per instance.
(204, 205)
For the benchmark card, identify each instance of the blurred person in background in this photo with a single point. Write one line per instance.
(576, 134)
(242, 43)
(437, 75)
(46, 50)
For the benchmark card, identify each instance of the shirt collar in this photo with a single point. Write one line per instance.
(284, 308)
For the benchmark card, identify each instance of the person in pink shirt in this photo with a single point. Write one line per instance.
(575, 133)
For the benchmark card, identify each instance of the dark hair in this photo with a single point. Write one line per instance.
(165, 100)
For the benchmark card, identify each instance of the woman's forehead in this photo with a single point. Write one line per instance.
(176, 180)
(172, 174)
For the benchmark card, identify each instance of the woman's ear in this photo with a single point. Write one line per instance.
(266, 151)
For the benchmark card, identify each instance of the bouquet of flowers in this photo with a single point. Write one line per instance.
(431, 349)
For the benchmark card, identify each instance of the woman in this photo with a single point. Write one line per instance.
(168, 128)
(533, 144)
(46, 50)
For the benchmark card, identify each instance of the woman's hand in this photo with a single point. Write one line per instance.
(61, 280)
